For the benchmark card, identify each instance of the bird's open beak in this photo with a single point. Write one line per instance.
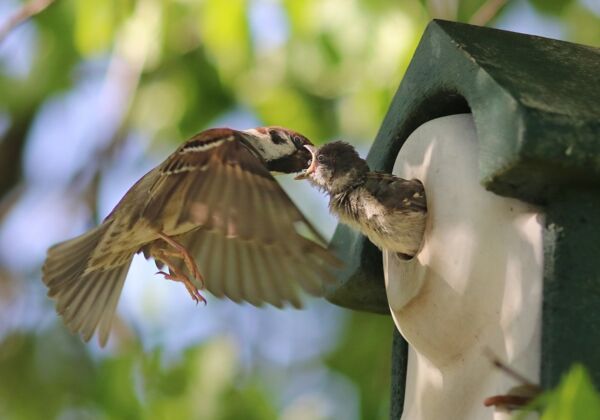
(313, 165)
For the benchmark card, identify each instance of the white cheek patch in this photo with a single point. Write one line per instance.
(271, 151)
(268, 149)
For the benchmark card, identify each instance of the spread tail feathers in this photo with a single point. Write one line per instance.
(86, 299)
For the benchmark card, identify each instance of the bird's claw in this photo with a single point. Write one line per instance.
(184, 254)
(197, 297)
(174, 274)
(167, 276)
(192, 290)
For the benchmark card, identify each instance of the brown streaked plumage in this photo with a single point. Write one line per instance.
(389, 210)
(213, 202)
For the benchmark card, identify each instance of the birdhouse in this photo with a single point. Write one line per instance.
(503, 129)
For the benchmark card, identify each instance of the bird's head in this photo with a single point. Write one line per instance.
(335, 167)
(282, 149)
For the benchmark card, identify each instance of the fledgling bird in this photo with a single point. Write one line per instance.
(389, 210)
(213, 207)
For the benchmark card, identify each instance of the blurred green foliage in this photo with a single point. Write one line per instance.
(41, 380)
(575, 398)
(327, 68)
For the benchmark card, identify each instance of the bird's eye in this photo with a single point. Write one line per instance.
(321, 159)
(297, 141)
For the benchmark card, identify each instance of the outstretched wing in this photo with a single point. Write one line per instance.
(231, 214)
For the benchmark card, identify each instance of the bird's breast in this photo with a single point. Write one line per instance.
(394, 230)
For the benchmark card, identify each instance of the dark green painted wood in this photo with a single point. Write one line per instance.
(571, 305)
(536, 108)
(360, 283)
(399, 365)
(534, 100)
(537, 115)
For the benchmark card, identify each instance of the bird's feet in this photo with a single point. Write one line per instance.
(175, 274)
(182, 252)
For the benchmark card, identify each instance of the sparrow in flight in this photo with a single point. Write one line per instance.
(213, 214)
(389, 210)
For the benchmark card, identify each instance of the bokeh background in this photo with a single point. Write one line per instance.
(95, 93)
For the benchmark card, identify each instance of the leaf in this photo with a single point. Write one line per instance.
(554, 7)
(225, 33)
(574, 399)
(582, 26)
(96, 23)
(300, 18)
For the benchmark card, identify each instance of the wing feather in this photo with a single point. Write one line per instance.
(235, 275)
(227, 271)
(264, 277)
(245, 206)
(287, 289)
(244, 232)
(117, 281)
(397, 193)
(247, 277)
(213, 277)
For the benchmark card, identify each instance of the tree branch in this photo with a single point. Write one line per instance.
(27, 11)
(487, 12)
(443, 9)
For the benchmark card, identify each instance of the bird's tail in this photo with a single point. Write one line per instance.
(85, 298)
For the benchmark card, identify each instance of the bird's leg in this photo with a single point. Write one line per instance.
(176, 274)
(183, 253)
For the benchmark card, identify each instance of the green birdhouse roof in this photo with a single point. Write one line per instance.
(536, 106)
